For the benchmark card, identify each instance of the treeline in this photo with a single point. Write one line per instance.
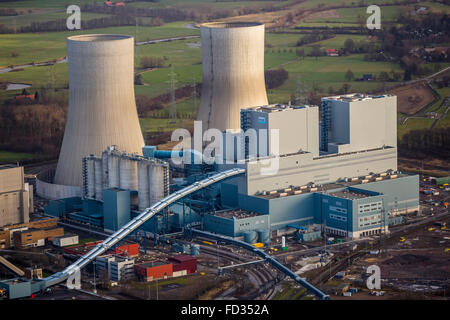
(434, 142)
(147, 104)
(8, 12)
(275, 78)
(34, 127)
(314, 37)
(61, 25)
(170, 14)
(167, 14)
(151, 62)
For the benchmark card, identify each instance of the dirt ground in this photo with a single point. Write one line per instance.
(432, 167)
(412, 98)
(323, 15)
(417, 268)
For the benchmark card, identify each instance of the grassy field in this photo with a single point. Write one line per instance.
(46, 46)
(184, 56)
(25, 20)
(413, 124)
(9, 157)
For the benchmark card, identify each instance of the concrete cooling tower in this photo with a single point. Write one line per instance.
(233, 72)
(102, 108)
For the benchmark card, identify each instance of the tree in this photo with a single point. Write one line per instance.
(275, 78)
(300, 53)
(345, 87)
(384, 76)
(349, 75)
(349, 45)
(316, 51)
(407, 75)
(397, 76)
(330, 90)
(138, 79)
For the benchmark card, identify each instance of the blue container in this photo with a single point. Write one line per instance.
(186, 249)
(195, 250)
(263, 236)
(250, 237)
(177, 247)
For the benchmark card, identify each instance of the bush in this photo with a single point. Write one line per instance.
(275, 78)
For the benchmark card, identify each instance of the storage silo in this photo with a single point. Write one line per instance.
(113, 170)
(143, 185)
(264, 236)
(90, 177)
(128, 173)
(105, 170)
(102, 109)
(250, 237)
(156, 181)
(233, 72)
(98, 178)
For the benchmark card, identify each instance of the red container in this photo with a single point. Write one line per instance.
(153, 270)
(130, 250)
(184, 262)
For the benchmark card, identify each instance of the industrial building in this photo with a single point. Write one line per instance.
(254, 204)
(121, 269)
(175, 266)
(287, 120)
(114, 267)
(66, 240)
(16, 197)
(233, 72)
(152, 270)
(102, 109)
(7, 232)
(357, 122)
(35, 237)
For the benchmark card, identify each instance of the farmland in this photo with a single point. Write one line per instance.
(322, 75)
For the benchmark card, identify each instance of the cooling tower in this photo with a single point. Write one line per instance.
(233, 72)
(102, 108)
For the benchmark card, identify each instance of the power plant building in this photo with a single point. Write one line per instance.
(297, 126)
(356, 122)
(303, 178)
(233, 72)
(16, 196)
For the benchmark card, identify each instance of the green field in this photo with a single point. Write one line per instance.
(9, 157)
(40, 47)
(413, 124)
(183, 57)
(25, 20)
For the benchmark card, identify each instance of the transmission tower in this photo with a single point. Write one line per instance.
(173, 102)
(194, 92)
(300, 92)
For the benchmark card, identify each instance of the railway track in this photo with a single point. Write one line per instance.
(264, 279)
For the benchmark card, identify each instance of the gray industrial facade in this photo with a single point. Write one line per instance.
(308, 186)
(16, 197)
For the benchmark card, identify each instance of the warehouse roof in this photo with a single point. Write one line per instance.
(150, 264)
(349, 194)
(277, 107)
(236, 213)
(182, 258)
(8, 166)
(357, 97)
